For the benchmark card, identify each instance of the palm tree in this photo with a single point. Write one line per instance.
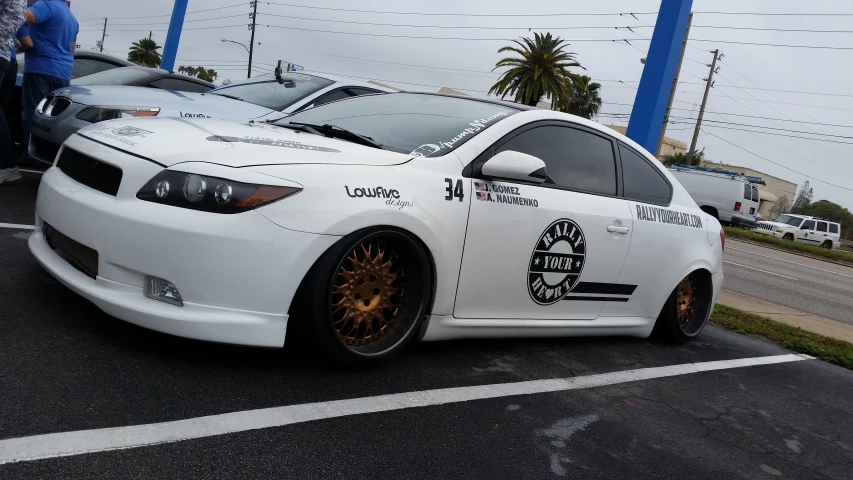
(144, 52)
(540, 72)
(584, 100)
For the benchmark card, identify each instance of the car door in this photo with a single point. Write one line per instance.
(806, 233)
(821, 233)
(834, 233)
(547, 251)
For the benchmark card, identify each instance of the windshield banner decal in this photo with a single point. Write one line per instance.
(270, 143)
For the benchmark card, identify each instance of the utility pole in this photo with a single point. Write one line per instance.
(150, 34)
(709, 83)
(104, 35)
(252, 43)
(674, 86)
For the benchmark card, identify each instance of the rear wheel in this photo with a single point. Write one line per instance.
(366, 296)
(687, 309)
(788, 236)
(827, 244)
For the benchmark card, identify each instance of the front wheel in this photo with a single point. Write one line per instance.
(789, 237)
(367, 295)
(686, 311)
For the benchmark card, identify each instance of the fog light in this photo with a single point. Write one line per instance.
(161, 290)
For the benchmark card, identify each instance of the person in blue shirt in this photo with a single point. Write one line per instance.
(53, 30)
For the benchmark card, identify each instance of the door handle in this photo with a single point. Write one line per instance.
(615, 229)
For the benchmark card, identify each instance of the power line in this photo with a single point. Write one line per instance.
(460, 14)
(775, 128)
(803, 30)
(169, 15)
(784, 102)
(778, 164)
(821, 47)
(166, 30)
(774, 14)
(185, 21)
(425, 37)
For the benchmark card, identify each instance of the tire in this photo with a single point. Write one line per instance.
(364, 299)
(686, 311)
(788, 236)
(827, 245)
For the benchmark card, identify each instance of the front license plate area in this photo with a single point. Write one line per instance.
(78, 255)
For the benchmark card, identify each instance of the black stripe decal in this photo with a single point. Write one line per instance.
(604, 288)
(598, 299)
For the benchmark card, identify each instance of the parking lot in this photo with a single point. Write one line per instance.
(70, 376)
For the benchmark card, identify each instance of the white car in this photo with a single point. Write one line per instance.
(815, 231)
(377, 220)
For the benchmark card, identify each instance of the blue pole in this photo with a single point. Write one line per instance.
(173, 37)
(653, 93)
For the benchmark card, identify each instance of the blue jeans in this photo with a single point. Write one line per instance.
(8, 71)
(36, 86)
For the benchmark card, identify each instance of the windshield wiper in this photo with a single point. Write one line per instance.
(232, 97)
(334, 131)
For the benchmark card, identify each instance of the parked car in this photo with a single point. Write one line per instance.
(397, 217)
(259, 98)
(803, 229)
(86, 62)
(729, 198)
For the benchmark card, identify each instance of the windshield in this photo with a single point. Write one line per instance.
(265, 90)
(417, 124)
(115, 76)
(790, 220)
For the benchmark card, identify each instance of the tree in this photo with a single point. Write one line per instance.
(206, 74)
(803, 199)
(227, 81)
(584, 100)
(144, 52)
(829, 210)
(682, 158)
(780, 207)
(540, 71)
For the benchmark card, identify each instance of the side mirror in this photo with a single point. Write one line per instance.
(511, 165)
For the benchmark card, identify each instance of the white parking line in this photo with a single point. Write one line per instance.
(30, 171)
(65, 444)
(788, 261)
(758, 269)
(17, 226)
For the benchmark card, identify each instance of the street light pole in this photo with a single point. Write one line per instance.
(238, 43)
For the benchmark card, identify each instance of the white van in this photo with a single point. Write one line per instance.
(726, 196)
(815, 231)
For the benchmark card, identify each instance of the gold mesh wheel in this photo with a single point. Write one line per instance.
(368, 293)
(686, 300)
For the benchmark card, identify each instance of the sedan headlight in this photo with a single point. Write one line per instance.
(210, 194)
(100, 114)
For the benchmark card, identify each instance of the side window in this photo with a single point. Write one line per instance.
(356, 91)
(88, 66)
(573, 158)
(747, 192)
(643, 181)
(821, 226)
(833, 228)
(807, 225)
(179, 85)
(331, 97)
(754, 193)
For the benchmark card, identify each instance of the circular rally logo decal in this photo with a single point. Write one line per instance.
(556, 263)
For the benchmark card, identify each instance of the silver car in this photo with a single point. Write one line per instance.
(66, 110)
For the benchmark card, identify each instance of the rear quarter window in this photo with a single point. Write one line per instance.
(833, 228)
(643, 182)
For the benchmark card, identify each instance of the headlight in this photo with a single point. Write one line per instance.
(100, 114)
(210, 194)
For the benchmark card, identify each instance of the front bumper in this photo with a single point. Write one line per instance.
(48, 133)
(771, 233)
(237, 274)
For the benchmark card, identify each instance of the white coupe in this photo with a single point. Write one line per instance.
(375, 221)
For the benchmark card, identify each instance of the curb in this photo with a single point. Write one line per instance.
(792, 252)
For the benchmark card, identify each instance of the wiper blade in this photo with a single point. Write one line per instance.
(334, 131)
(302, 128)
(233, 97)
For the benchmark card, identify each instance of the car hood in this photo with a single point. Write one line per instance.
(170, 141)
(171, 103)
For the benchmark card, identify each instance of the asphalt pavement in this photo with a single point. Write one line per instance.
(813, 286)
(67, 368)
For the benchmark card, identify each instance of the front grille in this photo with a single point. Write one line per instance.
(765, 226)
(78, 255)
(45, 149)
(93, 173)
(59, 106)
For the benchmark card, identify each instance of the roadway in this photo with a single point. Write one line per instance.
(812, 286)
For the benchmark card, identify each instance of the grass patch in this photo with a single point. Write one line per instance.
(828, 349)
(734, 232)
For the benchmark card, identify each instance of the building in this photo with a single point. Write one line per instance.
(777, 195)
(668, 148)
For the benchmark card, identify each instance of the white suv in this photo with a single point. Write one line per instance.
(804, 229)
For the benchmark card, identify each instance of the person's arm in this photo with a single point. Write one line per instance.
(39, 12)
(31, 17)
(74, 46)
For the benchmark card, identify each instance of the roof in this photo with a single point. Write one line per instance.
(101, 56)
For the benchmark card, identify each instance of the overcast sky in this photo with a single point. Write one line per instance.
(464, 63)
